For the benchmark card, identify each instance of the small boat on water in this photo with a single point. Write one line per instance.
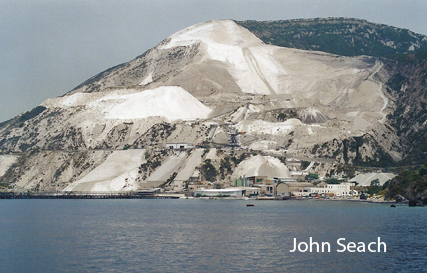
(250, 205)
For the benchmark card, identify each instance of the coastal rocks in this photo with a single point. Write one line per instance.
(416, 203)
(400, 199)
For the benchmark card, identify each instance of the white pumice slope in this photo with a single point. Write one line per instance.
(249, 61)
(117, 173)
(261, 166)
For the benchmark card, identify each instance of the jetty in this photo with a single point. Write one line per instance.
(85, 195)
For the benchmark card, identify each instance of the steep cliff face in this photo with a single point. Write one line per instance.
(216, 84)
(409, 86)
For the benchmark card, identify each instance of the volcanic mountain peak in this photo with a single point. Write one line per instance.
(246, 58)
(225, 32)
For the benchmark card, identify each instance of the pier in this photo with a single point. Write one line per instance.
(84, 195)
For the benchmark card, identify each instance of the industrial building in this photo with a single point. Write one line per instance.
(290, 188)
(229, 192)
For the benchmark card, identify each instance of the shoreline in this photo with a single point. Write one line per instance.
(136, 195)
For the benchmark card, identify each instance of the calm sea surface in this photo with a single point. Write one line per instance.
(205, 236)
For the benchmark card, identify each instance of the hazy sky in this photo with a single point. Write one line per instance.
(50, 46)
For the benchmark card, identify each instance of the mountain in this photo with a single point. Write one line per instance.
(220, 85)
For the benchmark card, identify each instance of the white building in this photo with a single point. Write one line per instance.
(298, 174)
(341, 190)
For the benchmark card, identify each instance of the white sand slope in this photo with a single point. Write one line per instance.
(171, 102)
(261, 166)
(171, 165)
(194, 160)
(365, 179)
(118, 173)
(264, 127)
(263, 145)
(5, 162)
(219, 32)
(249, 60)
(312, 115)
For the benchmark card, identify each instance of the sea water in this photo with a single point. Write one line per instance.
(206, 236)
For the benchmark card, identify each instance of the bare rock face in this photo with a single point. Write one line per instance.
(213, 84)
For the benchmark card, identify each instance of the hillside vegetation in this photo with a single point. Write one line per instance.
(341, 36)
(411, 184)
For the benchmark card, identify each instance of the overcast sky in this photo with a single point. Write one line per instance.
(50, 46)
